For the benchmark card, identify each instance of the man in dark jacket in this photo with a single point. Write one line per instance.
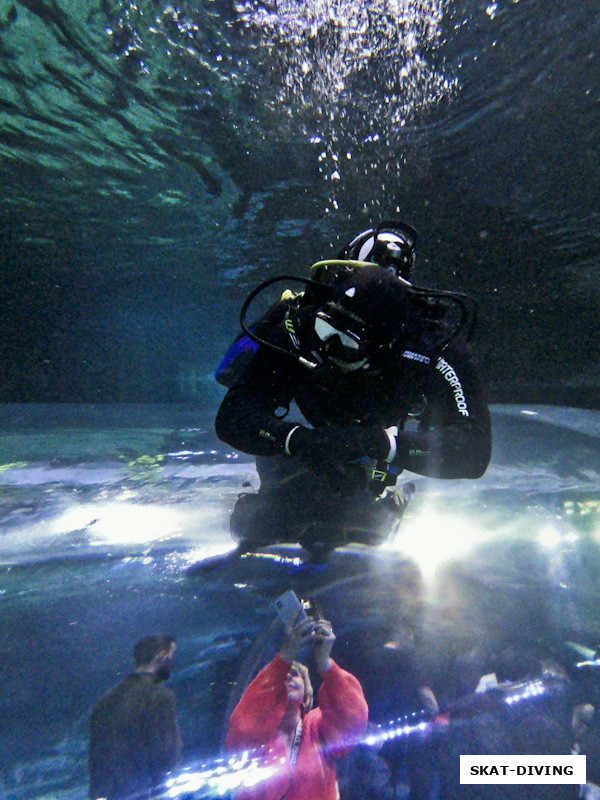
(385, 382)
(134, 733)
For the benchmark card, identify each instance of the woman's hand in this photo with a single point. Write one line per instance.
(296, 637)
(324, 638)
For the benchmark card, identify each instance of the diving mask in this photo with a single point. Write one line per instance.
(342, 346)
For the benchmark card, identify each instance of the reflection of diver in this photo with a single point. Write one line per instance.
(361, 351)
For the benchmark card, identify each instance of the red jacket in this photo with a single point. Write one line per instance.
(329, 732)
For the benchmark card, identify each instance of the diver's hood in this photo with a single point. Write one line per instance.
(375, 306)
(376, 300)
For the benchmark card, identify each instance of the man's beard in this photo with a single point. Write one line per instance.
(163, 673)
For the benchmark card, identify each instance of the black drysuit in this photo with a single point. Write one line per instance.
(438, 389)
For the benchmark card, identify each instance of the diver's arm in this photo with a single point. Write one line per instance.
(461, 451)
(454, 438)
(246, 419)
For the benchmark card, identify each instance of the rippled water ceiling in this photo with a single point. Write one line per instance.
(159, 160)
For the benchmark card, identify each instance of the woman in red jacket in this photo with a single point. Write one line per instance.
(298, 745)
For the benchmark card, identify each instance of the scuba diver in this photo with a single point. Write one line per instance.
(385, 380)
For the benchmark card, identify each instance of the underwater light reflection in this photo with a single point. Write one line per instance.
(121, 522)
(432, 538)
(529, 690)
(178, 561)
(248, 770)
(128, 521)
(549, 537)
(221, 777)
(401, 728)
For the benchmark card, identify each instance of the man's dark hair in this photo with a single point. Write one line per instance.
(151, 646)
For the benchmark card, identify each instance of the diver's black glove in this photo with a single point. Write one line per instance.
(337, 444)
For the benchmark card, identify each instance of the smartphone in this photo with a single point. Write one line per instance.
(290, 608)
(314, 609)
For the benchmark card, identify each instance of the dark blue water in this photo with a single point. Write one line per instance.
(102, 532)
(156, 163)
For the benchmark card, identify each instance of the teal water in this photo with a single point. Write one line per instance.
(159, 161)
